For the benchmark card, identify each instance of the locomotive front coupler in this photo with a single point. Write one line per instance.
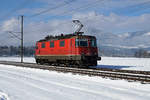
(99, 58)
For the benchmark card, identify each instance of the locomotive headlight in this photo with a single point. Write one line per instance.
(83, 54)
(88, 53)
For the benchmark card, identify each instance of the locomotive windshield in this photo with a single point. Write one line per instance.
(93, 43)
(82, 42)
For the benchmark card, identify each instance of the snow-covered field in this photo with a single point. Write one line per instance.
(18, 83)
(3, 96)
(26, 59)
(125, 63)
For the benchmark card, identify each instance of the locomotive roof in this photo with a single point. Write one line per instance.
(62, 36)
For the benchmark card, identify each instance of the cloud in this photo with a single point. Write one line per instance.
(10, 25)
(57, 8)
(48, 7)
(113, 23)
(7, 38)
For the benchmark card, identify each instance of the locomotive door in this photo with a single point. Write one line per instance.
(71, 48)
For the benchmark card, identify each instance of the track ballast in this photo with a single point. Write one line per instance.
(130, 75)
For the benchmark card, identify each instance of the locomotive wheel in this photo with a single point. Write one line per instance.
(41, 62)
(38, 61)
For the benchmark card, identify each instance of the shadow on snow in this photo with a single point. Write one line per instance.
(111, 66)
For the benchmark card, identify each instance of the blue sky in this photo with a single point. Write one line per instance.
(44, 17)
(13, 8)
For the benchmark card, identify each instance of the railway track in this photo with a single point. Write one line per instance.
(129, 75)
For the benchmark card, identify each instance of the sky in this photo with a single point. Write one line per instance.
(45, 17)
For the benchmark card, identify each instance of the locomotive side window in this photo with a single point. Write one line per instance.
(70, 42)
(62, 43)
(77, 42)
(52, 44)
(82, 42)
(93, 43)
(43, 45)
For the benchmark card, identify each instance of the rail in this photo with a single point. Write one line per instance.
(130, 75)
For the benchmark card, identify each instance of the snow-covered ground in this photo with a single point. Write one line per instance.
(108, 62)
(26, 59)
(125, 63)
(3, 96)
(18, 83)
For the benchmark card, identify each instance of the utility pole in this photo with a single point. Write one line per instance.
(22, 51)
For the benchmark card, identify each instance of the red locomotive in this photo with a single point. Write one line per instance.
(70, 49)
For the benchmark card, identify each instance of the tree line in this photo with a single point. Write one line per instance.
(141, 53)
(15, 51)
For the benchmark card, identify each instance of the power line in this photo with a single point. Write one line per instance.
(82, 7)
(134, 8)
(22, 5)
(53, 8)
(6, 37)
(62, 5)
(14, 35)
(78, 8)
(20, 38)
(4, 41)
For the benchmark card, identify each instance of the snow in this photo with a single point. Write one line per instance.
(35, 84)
(17, 59)
(125, 63)
(127, 47)
(3, 96)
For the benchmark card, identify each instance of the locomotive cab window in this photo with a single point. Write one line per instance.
(51, 44)
(62, 43)
(93, 43)
(82, 42)
(43, 45)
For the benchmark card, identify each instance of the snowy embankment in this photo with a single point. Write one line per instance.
(35, 84)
